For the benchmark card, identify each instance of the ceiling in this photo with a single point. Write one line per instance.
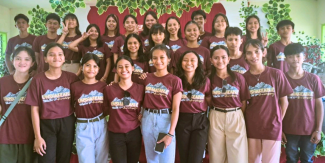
(33, 3)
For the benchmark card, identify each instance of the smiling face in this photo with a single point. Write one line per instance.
(124, 69)
(22, 24)
(254, 55)
(93, 33)
(190, 62)
(160, 59)
(199, 19)
(90, 69)
(55, 57)
(158, 38)
(295, 60)
(130, 25)
(253, 25)
(22, 62)
(52, 25)
(233, 42)
(220, 59)
(173, 26)
(220, 24)
(192, 32)
(111, 24)
(150, 20)
(71, 23)
(133, 45)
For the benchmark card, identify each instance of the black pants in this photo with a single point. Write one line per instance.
(58, 135)
(192, 136)
(125, 147)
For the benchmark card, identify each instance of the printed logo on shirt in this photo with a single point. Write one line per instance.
(201, 58)
(59, 93)
(150, 62)
(301, 92)
(110, 44)
(25, 44)
(231, 91)
(137, 70)
(280, 57)
(196, 96)
(175, 47)
(66, 44)
(43, 47)
(199, 42)
(261, 89)
(92, 97)
(10, 97)
(122, 48)
(118, 103)
(213, 44)
(239, 69)
(146, 42)
(157, 89)
(99, 54)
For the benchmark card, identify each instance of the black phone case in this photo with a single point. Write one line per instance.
(161, 146)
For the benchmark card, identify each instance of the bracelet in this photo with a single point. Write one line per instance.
(317, 131)
(170, 135)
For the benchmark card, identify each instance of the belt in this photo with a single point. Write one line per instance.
(71, 61)
(91, 120)
(225, 110)
(161, 111)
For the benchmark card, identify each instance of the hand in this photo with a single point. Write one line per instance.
(167, 140)
(85, 35)
(103, 79)
(284, 139)
(143, 76)
(111, 83)
(315, 137)
(140, 117)
(40, 146)
(264, 39)
(65, 29)
(136, 30)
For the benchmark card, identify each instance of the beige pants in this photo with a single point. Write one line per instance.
(227, 137)
(70, 67)
(264, 151)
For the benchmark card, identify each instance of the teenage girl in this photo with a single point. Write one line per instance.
(219, 25)
(173, 34)
(192, 126)
(87, 99)
(92, 43)
(16, 133)
(134, 50)
(227, 133)
(70, 32)
(192, 34)
(266, 109)
(123, 102)
(150, 18)
(163, 92)
(52, 112)
(130, 23)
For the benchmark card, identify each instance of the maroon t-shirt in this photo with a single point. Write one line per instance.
(263, 113)
(118, 45)
(174, 45)
(300, 118)
(102, 52)
(145, 42)
(17, 129)
(122, 118)
(39, 45)
(109, 41)
(159, 91)
(239, 65)
(51, 96)
(197, 103)
(87, 99)
(69, 54)
(16, 42)
(203, 53)
(276, 57)
(236, 92)
(212, 41)
(201, 37)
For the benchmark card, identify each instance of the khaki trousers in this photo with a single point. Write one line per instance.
(264, 151)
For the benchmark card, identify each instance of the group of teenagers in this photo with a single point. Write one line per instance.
(158, 82)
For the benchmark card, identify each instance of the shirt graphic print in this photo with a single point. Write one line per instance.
(301, 92)
(175, 47)
(10, 97)
(99, 54)
(92, 97)
(119, 104)
(157, 89)
(280, 57)
(213, 44)
(238, 68)
(261, 89)
(231, 91)
(25, 44)
(43, 47)
(137, 70)
(59, 93)
(65, 44)
(196, 96)
(110, 44)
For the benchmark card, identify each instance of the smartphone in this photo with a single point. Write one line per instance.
(161, 146)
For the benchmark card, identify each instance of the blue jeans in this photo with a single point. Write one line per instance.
(152, 125)
(306, 152)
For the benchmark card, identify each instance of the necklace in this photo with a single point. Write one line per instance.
(258, 78)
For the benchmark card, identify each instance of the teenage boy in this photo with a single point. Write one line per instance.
(52, 24)
(233, 36)
(199, 17)
(23, 39)
(302, 124)
(275, 55)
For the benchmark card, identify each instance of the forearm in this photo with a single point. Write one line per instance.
(108, 67)
(37, 58)
(36, 121)
(74, 44)
(61, 39)
(79, 71)
(319, 112)
(175, 112)
(244, 105)
(115, 57)
(9, 64)
(283, 105)
(116, 78)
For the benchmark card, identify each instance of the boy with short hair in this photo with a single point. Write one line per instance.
(302, 124)
(23, 39)
(40, 42)
(275, 56)
(233, 36)
(199, 17)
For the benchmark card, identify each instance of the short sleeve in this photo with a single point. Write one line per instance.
(283, 85)
(177, 86)
(244, 91)
(36, 46)
(9, 48)
(33, 96)
(106, 102)
(205, 42)
(319, 88)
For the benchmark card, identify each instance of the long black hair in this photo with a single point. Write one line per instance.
(248, 34)
(214, 70)
(141, 56)
(145, 31)
(199, 78)
(90, 56)
(124, 57)
(117, 29)
(179, 32)
(214, 21)
(72, 16)
(191, 22)
(156, 28)
(29, 51)
(99, 40)
(51, 45)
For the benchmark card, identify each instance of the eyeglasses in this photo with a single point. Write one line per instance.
(126, 101)
(224, 84)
